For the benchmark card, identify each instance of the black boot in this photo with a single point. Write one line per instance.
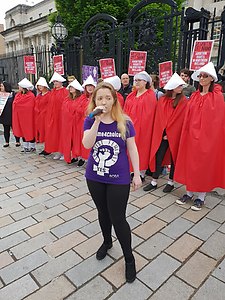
(130, 271)
(102, 251)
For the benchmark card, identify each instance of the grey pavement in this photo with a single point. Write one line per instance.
(49, 235)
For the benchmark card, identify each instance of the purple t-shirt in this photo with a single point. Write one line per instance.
(108, 160)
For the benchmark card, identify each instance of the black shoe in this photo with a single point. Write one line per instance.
(197, 205)
(81, 162)
(184, 199)
(73, 160)
(132, 176)
(44, 153)
(17, 144)
(25, 150)
(32, 149)
(168, 188)
(148, 172)
(6, 145)
(150, 187)
(102, 251)
(130, 271)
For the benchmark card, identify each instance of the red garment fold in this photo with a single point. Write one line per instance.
(85, 101)
(141, 110)
(120, 99)
(170, 119)
(53, 119)
(201, 160)
(40, 109)
(23, 115)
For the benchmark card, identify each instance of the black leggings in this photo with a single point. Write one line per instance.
(111, 202)
(7, 134)
(159, 159)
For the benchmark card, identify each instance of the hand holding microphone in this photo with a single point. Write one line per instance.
(97, 112)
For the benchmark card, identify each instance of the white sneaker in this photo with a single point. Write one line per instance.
(61, 157)
(57, 156)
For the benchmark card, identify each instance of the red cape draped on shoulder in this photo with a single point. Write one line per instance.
(53, 119)
(141, 110)
(40, 109)
(23, 115)
(201, 160)
(120, 99)
(171, 119)
(71, 125)
(85, 101)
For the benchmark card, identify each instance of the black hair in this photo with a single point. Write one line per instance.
(7, 86)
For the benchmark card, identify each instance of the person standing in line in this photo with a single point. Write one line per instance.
(168, 123)
(72, 123)
(23, 115)
(6, 116)
(140, 106)
(110, 134)
(185, 74)
(40, 109)
(53, 116)
(126, 87)
(201, 161)
(155, 86)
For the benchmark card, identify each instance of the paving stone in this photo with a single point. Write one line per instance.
(133, 223)
(211, 289)
(90, 246)
(69, 227)
(194, 216)
(66, 183)
(8, 190)
(211, 201)
(6, 220)
(146, 213)
(16, 226)
(87, 270)
(22, 191)
(220, 271)
(26, 183)
(144, 200)
(18, 289)
(177, 228)
(154, 246)
(74, 212)
(23, 266)
(173, 289)
(204, 229)
(5, 259)
(46, 183)
(9, 210)
(170, 213)
(102, 289)
(79, 192)
(49, 212)
(62, 191)
(58, 289)
(56, 267)
(15, 200)
(131, 209)
(44, 226)
(222, 228)
(77, 201)
(64, 244)
(73, 175)
(1, 285)
(149, 228)
(91, 216)
(91, 229)
(182, 248)
(217, 214)
(115, 274)
(214, 246)
(33, 244)
(42, 191)
(196, 269)
(35, 200)
(14, 239)
(166, 201)
(58, 200)
(28, 212)
(158, 271)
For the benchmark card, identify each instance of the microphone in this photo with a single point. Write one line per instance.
(96, 112)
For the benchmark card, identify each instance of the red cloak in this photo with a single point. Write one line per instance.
(201, 160)
(120, 99)
(23, 115)
(169, 119)
(40, 109)
(85, 101)
(141, 110)
(71, 125)
(53, 119)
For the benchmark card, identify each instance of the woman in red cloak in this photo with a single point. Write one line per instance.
(53, 115)
(40, 109)
(168, 123)
(140, 106)
(72, 123)
(116, 83)
(200, 161)
(23, 115)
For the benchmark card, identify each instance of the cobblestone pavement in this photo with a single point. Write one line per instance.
(49, 235)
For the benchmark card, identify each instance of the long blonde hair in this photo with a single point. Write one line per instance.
(116, 113)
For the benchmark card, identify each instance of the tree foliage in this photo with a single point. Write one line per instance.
(75, 13)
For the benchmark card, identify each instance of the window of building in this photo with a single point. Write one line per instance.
(217, 31)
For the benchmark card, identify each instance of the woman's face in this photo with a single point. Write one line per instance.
(57, 84)
(20, 88)
(140, 84)
(90, 89)
(178, 89)
(72, 90)
(2, 88)
(205, 79)
(104, 98)
(41, 88)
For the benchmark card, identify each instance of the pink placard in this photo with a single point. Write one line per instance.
(165, 72)
(201, 54)
(58, 64)
(107, 67)
(29, 64)
(137, 62)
